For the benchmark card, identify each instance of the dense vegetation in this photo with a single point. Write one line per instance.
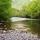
(32, 10)
(5, 6)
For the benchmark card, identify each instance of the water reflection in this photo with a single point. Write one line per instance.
(19, 24)
(34, 25)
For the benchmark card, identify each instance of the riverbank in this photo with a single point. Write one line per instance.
(17, 35)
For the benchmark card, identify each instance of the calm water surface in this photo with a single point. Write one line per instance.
(23, 22)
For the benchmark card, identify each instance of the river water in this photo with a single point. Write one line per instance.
(21, 24)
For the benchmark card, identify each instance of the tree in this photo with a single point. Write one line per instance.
(5, 6)
(32, 9)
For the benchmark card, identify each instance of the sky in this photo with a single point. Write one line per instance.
(19, 3)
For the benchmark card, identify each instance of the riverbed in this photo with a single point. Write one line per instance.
(17, 35)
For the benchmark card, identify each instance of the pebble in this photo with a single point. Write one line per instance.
(17, 35)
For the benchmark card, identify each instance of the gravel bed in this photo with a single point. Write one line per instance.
(17, 35)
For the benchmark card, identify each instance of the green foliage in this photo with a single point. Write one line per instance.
(32, 9)
(5, 7)
(16, 13)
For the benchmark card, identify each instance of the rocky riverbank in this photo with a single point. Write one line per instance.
(17, 35)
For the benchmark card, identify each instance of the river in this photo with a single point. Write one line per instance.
(21, 25)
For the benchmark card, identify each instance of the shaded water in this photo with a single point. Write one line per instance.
(34, 25)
